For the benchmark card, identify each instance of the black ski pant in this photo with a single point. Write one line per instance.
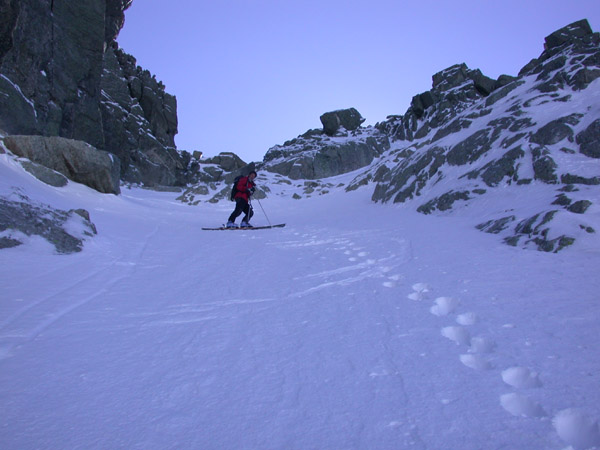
(241, 206)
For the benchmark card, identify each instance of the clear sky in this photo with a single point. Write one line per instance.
(250, 74)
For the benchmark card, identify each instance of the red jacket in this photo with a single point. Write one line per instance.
(243, 186)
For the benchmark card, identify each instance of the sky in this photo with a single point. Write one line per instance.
(251, 75)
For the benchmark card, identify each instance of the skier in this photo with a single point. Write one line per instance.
(244, 189)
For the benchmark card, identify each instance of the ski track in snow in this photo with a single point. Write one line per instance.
(361, 267)
(28, 322)
(573, 426)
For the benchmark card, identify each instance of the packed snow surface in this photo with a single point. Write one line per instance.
(357, 326)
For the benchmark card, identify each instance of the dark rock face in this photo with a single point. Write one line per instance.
(158, 166)
(227, 161)
(417, 171)
(470, 149)
(138, 116)
(44, 174)
(443, 202)
(544, 166)
(9, 11)
(505, 167)
(555, 131)
(114, 18)
(589, 140)
(577, 30)
(54, 62)
(62, 74)
(532, 231)
(76, 160)
(453, 90)
(496, 226)
(576, 44)
(579, 207)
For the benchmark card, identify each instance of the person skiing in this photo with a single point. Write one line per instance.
(244, 189)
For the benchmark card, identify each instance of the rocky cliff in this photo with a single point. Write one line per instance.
(471, 136)
(62, 74)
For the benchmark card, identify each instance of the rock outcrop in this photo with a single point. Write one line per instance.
(139, 122)
(319, 154)
(76, 160)
(349, 119)
(21, 218)
(227, 161)
(62, 74)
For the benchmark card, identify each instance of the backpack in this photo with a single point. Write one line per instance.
(234, 189)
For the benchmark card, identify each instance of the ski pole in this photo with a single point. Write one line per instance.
(263, 210)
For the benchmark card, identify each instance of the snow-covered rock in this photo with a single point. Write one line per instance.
(473, 143)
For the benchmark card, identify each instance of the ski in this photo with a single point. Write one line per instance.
(265, 227)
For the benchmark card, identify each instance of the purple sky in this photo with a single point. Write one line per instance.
(252, 74)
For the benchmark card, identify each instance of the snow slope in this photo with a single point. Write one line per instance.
(357, 326)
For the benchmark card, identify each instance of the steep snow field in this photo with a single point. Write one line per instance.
(357, 326)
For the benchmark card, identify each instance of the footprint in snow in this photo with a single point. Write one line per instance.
(417, 296)
(457, 334)
(468, 318)
(392, 279)
(577, 429)
(475, 362)
(482, 345)
(420, 291)
(420, 287)
(521, 377)
(443, 306)
(521, 406)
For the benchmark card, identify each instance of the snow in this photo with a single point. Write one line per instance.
(358, 325)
